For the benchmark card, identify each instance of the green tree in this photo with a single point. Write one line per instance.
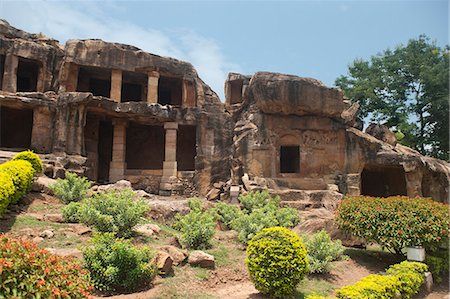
(407, 90)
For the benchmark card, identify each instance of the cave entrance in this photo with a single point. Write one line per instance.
(145, 146)
(104, 149)
(236, 91)
(95, 80)
(16, 126)
(170, 91)
(133, 87)
(186, 147)
(383, 181)
(27, 75)
(289, 159)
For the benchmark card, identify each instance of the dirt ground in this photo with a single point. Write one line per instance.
(230, 278)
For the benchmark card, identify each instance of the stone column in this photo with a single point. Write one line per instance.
(41, 135)
(152, 92)
(10, 73)
(169, 177)
(72, 77)
(116, 85)
(118, 165)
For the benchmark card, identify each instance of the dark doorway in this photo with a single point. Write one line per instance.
(2, 69)
(383, 181)
(134, 87)
(290, 159)
(236, 91)
(186, 148)
(94, 80)
(27, 75)
(105, 142)
(16, 127)
(170, 91)
(145, 146)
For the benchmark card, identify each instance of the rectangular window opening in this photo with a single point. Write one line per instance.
(290, 159)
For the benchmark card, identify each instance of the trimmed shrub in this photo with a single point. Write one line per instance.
(322, 251)
(71, 212)
(71, 188)
(7, 191)
(21, 173)
(31, 157)
(197, 227)
(410, 275)
(262, 211)
(395, 222)
(438, 264)
(402, 279)
(117, 266)
(371, 287)
(227, 213)
(26, 271)
(277, 261)
(115, 211)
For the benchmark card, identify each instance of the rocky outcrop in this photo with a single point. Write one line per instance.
(381, 132)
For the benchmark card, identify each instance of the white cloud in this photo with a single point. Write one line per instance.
(66, 20)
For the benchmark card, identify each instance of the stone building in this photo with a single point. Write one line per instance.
(112, 111)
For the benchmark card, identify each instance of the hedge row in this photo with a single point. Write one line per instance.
(16, 178)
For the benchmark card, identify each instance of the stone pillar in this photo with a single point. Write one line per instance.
(72, 77)
(118, 165)
(152, 92)
(169, 180)
(40, 84)
(116, 85)
(41, 135)
(10, 73)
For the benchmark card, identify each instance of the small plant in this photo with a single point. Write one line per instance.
(395, 222)
(197, 227)
(322, 251)
(71, 212)
(7, 191)
(227, 213)
(21, 173)
(26, 271)
(72, 188)
(114, 211)
(117, 266)
(277, 261)
(31, 157)
(262, 211)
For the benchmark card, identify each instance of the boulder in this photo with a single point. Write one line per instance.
(47, 234)
(38, 240)
(148, 229)
(201, 259)
(213, 194)
(65, 252)
(178, 255)
(58, 218)
(41, 183)
(164, 262)
(382, 132)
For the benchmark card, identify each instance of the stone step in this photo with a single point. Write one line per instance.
(301, 183)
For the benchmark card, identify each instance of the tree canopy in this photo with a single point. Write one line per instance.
(406, 89)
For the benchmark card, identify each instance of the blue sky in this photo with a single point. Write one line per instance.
(307, 38)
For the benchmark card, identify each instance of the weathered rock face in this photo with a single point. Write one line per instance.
(381, 132)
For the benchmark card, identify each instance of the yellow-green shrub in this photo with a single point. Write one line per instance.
(21, 173)
(410, 275)
(6, 191)
(31, 157)
(371, 287)
(276, 261)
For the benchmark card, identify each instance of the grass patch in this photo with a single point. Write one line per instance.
(312, 285)
(45, 208)
(22, 222)
(201, 273)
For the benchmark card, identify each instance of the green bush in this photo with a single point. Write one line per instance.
(438, 264)
(21, 173)
(371, 287)
(31, 157)
(7, 191)
(277, 261)
(410, 275)
(262, 211)
(322, 251)
(395, 222)
(71, 212)
(402, 279)
(227, 213)
(117, 266)
(197, 227)
(115, 211)
(71, 188)
(26, 271)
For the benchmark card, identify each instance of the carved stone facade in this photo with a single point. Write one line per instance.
(112, 111)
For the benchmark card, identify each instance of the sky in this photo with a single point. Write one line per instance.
(317, 39)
